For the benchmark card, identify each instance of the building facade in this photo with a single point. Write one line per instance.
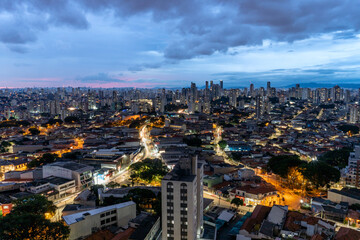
(353, 169)
(182, 201)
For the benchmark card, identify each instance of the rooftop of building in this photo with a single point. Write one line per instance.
(76, 217)
(77, 167)
(57, 180)
(349, 192)
(127, 189)
(259, 214)
(145, 225)
(347, 234)
(182, 174)
(257, 189)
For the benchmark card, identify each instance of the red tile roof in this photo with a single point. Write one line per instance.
(347, 234)
(290, 224)
(317, 237)
(124, 235)
(101, 235)
(259, 214)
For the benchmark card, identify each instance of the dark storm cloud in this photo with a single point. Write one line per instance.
(199, 27)
(22, 21)
(99, 78)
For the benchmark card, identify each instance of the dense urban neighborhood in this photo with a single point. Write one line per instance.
(203, 162)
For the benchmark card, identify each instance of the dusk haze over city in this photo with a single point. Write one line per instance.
(179, 120)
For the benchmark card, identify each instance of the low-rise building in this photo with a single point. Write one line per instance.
(350, 195)
(254, 194)
(81, 173)
(85, 223)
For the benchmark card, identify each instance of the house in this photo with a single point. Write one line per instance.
(251, 226)
(274, 222)
(329, 210)
(300, 225)
(254, 194)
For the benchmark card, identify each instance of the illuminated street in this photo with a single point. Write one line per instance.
(147, 151)
(291, 199)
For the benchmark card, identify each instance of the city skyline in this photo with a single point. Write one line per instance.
(106, 44)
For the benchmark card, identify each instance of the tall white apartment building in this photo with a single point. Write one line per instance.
(353, 169)
(182, 201)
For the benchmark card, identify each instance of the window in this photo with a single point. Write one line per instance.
(113, 219)
(102, 222)
(102, 215)
(113, 211)
(108, 213)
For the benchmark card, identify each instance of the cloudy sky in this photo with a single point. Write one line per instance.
(168, 43)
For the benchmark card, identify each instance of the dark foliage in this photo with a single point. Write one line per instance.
(44, 159)
(337, 158)
(349, 128)
(193, 141)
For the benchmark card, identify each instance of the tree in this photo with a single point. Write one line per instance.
(71, 119)
(295, 178)
(320, 173)
(114, 200)
(349, 128)
(72, 155)
(29, 226)
(193, 141)
(222, 144)
(34, 204)
(34, 131)
(355, 206)
(54, 121)
(281, 164)
(237, 202)
(44, 159)
(28, 221)
(336, 158)
(5, 144)
(149, 171)
(135, 124)
(4, 147)
(113, 184)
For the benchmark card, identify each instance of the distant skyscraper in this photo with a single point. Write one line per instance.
(354, 113)
(335, 94)
(258, 107)
(233, 97)
(182, 201)
(268, 88)
(251, 90)
(193, 98)
(221, 85)
(347, 97)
